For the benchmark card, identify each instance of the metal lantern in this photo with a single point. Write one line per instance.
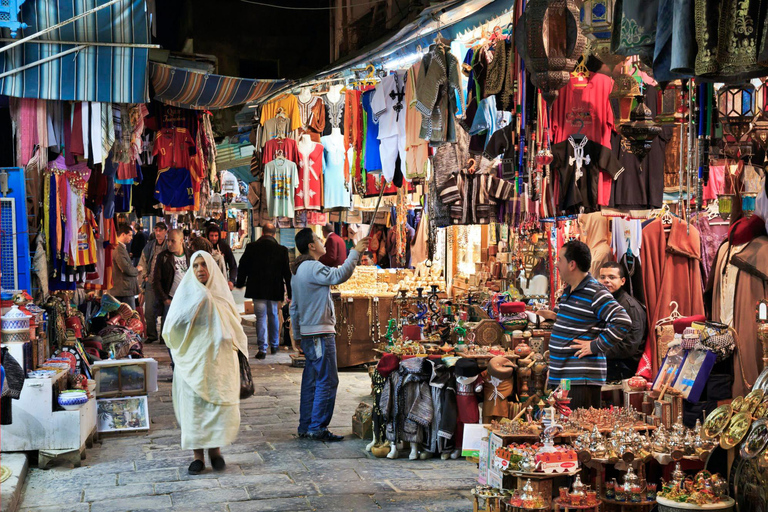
(601, 48)
(670, 105)
(625, 88)
(748, 203)
(554, 43)
(597, 19)
(641, 129)
(725, 205)
(736, 109)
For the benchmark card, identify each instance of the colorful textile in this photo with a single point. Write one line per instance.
(174, 187)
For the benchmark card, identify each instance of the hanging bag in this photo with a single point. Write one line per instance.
(246, 379)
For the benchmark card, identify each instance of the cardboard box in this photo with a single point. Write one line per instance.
(248, 305)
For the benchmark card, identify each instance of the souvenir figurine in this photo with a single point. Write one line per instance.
(497, 388)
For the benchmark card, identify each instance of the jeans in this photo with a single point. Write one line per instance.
(318, 383)
(131, 301)
(267, 323)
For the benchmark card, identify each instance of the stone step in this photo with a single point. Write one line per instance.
(10, 490)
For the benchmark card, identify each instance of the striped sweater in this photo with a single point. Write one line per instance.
(588, 312)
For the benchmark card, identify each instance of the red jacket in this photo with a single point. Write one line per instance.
(335, 251)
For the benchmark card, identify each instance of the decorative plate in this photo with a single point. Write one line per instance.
(716, 421)
(736, 430)
(762, 380)
(737, 404)
(756, 440)
(762, 410)
(752, 400)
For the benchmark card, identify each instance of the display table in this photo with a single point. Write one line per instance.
(628, 506)
(667, 505)
(566, 506)
(36, 426)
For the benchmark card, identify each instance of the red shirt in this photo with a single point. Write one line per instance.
(592, 105)
(174, 147)
(335, 251)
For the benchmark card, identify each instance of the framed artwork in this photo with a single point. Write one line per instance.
(121, 379)
(122, 414)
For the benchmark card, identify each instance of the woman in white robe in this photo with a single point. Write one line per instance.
(203, 331)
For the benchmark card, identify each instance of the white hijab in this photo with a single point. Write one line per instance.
(203, 331)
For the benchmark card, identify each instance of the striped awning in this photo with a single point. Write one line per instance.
(188, 88)
(93, 73)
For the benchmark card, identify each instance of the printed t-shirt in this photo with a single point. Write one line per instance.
(179, 269)
(174, 147)
(281, 177)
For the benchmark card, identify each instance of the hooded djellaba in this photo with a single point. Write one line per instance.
(203, 332)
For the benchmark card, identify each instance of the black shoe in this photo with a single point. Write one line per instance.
(218, 464)
(196, 467)
(261, 355)
(302, 435)
(147, 341)
(273, 350)
(327, 436)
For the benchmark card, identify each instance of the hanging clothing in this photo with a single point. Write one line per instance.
(730, 35)
(289, 148)
(336, 190)
(388, 108)
(590, 104)
(312, 117)
(174, 187)
(204, 335)
(671, 272)
(735, 292)
(500, 78)
(372, 143)
(633, 269)
(711, 238)
(309, 193)
(674, 54)
(438, 87)
(289, 105)
(578, 166)
(472, 197)
(634, 28)
(596, 231)
(277, 127)
(626, 235)
(281, 179)
(416, 148)
(334, 114)
(502, 142)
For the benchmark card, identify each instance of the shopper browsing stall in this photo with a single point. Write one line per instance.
(172, 264)
(314, 322)
(588, 322)
(204, 334)
(265, 272)
(125, 284)
(624, 356)
(152, 309)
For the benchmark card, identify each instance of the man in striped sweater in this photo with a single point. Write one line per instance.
(588, 322)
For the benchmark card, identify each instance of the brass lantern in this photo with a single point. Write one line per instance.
(736, 109)
(553, 44)
(725, 205)
(641, 129)
(597, 18)
(625, 88)
(670, 104)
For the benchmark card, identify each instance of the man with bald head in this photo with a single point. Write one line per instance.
(265, 273)
(171, 266)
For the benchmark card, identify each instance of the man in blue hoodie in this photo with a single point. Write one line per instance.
(314, 323)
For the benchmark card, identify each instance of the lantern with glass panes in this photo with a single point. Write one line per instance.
(737, 111)
(641, 129)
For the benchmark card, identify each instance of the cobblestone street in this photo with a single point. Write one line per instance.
(268, 469)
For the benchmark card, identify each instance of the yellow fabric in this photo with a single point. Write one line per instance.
(597, 235)
(291, 107)
(203, 331)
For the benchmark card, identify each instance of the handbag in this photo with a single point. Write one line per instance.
(246, 379)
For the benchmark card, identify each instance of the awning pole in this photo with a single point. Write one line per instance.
(43, 61)
(90, 43)
(56, 26)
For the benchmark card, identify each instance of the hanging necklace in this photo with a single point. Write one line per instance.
(578, 157)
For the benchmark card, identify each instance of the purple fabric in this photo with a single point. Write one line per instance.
(711, 238)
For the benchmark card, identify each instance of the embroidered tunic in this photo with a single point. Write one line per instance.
(334, 114)
(312, 118)
(309, 193)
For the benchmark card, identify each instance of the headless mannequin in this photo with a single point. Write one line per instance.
(336, 133)
(334, 93)
(306, 144)
(305, 94)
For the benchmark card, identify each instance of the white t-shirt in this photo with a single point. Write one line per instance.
(179, 269)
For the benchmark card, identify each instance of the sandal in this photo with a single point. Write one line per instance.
(218, 464)
(196, 467)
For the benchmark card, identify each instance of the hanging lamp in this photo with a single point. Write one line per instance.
(641, 129)
(625, 88)
(553, 44)
(736, 110)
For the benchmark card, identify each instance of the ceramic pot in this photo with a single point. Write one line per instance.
(72, 400)
(637, 383)
(522, 350)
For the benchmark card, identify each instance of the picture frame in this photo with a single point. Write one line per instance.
(124, 378)
(125, 414)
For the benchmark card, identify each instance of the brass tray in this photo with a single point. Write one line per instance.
(762, 410)
(756, 440)
(752, 400)
(716, 421)
(737, 404)
(736, 430)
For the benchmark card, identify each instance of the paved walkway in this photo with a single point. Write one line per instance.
(268, 469)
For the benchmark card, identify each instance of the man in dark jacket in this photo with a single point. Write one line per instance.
(335, 248)
(125, 285)
(147, 262)
(624, 356)
(138, 243)
(266, 275)
(213, 233)
(170, 268)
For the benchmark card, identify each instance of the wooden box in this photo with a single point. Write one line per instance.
(248, 305)
(362, 423)
(635, 399)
